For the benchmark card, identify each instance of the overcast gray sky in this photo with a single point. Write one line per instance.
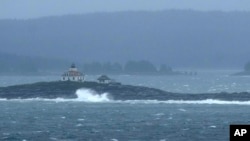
(23, 9)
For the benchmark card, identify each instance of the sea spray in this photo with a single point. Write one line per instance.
(104, 98)
(83, 95)
(88, 95)
(91, 96)
(207, 101)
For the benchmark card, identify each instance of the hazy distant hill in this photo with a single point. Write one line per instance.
(16, 64)
(246, 70)
(178, 38)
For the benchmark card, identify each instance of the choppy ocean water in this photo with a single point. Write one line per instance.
(97, 118)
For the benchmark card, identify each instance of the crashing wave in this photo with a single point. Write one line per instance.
(90, 96)
(83, 95)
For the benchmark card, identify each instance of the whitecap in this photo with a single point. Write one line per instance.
(37, 131)
(160, 114)
(54, 139)
(170, 118)
(207, 101)
(78, 125)
(3, 99)
(183, 110)
(80, 119)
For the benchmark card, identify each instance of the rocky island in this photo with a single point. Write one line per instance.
(245, 72)
(67, 90)
(73, 80)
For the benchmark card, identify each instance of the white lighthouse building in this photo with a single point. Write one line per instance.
(72, 75)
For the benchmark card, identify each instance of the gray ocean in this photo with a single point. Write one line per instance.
(93, 117)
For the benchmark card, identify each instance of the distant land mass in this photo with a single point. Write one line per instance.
(245, 72)
(30, 65)
(67, 89)
(12, 64)
(179, 38)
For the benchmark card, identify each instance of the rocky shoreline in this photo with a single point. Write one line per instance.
(67, 90)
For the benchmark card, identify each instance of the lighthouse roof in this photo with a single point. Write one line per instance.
(73, 65)
(72, 71)
(103, 77)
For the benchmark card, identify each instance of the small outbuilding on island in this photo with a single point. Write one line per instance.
(72, 75)
(104, 79)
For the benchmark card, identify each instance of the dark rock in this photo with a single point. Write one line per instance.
(67, 89)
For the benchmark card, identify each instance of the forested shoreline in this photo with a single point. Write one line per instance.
(26, 65)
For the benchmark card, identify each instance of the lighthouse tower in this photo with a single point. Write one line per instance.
(72, 74)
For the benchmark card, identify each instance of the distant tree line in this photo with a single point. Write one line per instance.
(14, 64)
(131, 67)
(11, 64)
(97, 68)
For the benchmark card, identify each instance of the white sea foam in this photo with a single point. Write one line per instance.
(79, 125)
(80, 119)
(183, 110)
(3, 99)
(160, 114)
(90, 96)
(207, 101)
(83, 95)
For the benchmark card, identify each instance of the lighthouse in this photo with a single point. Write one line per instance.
(72, 75)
